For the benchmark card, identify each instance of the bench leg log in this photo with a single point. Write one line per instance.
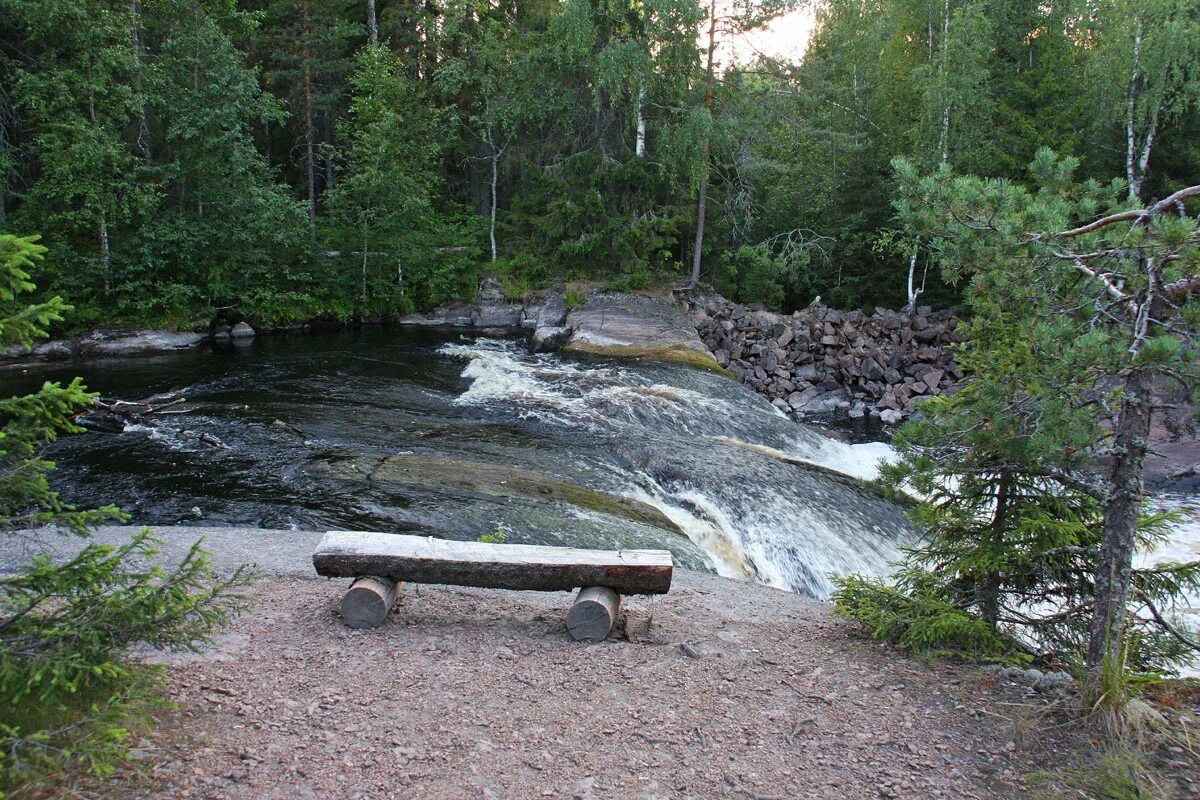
(368, 602)
(594, 613)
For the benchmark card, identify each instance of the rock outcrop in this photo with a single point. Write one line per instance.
(606, 323)
(637, 326)
(821, 360)
(102, 344)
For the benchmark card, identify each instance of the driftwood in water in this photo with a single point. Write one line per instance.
(111, 415)
(368, 602)
(594, 613)
(422, 559)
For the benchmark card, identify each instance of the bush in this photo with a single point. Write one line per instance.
(915, 618)
(71, 692)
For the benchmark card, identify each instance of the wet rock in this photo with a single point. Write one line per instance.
(457, 315)
(53, 350)
(242, 330)
(547, 311)
(632, 325)
(547, 339)
(101, 344)
(493, 309)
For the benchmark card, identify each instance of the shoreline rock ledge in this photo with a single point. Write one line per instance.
(622, 324)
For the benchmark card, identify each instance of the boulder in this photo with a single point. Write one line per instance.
(241, 331)
(632, 325)
(139, 343)
(549, 338)
(457, 315)
(53, 350)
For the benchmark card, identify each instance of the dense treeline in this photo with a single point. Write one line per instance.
(281, 159)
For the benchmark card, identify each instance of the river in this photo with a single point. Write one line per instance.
(384, 429)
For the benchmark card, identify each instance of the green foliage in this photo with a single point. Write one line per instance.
(385, 205)
(915, 616)
(574, 298)
(497, 536)
(1005, 466)
(1113, 774)
(185, 158)
(68, 689)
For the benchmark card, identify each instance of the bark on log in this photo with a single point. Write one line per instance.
(368, 602)
(594, 613)
(423, 559)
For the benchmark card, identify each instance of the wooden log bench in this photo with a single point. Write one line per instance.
(380, 562)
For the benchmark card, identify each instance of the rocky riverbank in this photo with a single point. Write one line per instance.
(118, 344)
(822, 360)
(600, 323)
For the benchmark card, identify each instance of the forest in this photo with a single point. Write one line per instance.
(281, 160)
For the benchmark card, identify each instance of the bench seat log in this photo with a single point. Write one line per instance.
(424, 559)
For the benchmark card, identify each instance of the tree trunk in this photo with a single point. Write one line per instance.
(641, 121)
(372, 26)
(1137, 153)
(364, 266)
(309, 132)
(913, 292)
(702, 199)
(136, 36)
(495, 175)
(1115, 569)
(105, 253)
(944, 141)
(701, 207)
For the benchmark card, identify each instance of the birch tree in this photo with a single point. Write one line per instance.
(1145, 63)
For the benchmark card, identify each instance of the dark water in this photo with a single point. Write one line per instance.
(711, 455)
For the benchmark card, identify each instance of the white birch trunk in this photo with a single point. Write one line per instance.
(641, 121)
(1132, 176)
(913, 292)
(372, 26)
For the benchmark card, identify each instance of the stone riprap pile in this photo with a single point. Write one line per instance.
(821, 360)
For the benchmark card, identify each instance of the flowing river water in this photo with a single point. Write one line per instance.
(387, 429)
(462, 437)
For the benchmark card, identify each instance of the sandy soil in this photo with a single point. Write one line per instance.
(723, 690)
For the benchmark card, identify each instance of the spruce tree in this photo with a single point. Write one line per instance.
(70, 693)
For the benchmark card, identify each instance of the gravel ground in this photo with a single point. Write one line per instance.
(722, 689)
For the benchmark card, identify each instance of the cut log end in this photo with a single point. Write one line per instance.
(368, 602)
(592, 616)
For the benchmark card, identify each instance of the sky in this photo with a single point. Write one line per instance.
(784, 39)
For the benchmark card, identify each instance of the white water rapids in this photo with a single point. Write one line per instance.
(768, 517)
(727, 467)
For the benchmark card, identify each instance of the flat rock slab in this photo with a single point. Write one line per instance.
(636, 326)
(424, 559)
(500, 480)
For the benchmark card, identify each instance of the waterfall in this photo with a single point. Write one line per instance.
(769, 500)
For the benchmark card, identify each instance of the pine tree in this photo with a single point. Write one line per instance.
(1034, 469)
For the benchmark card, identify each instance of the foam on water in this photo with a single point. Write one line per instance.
(728, 468)
(1182, 545)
